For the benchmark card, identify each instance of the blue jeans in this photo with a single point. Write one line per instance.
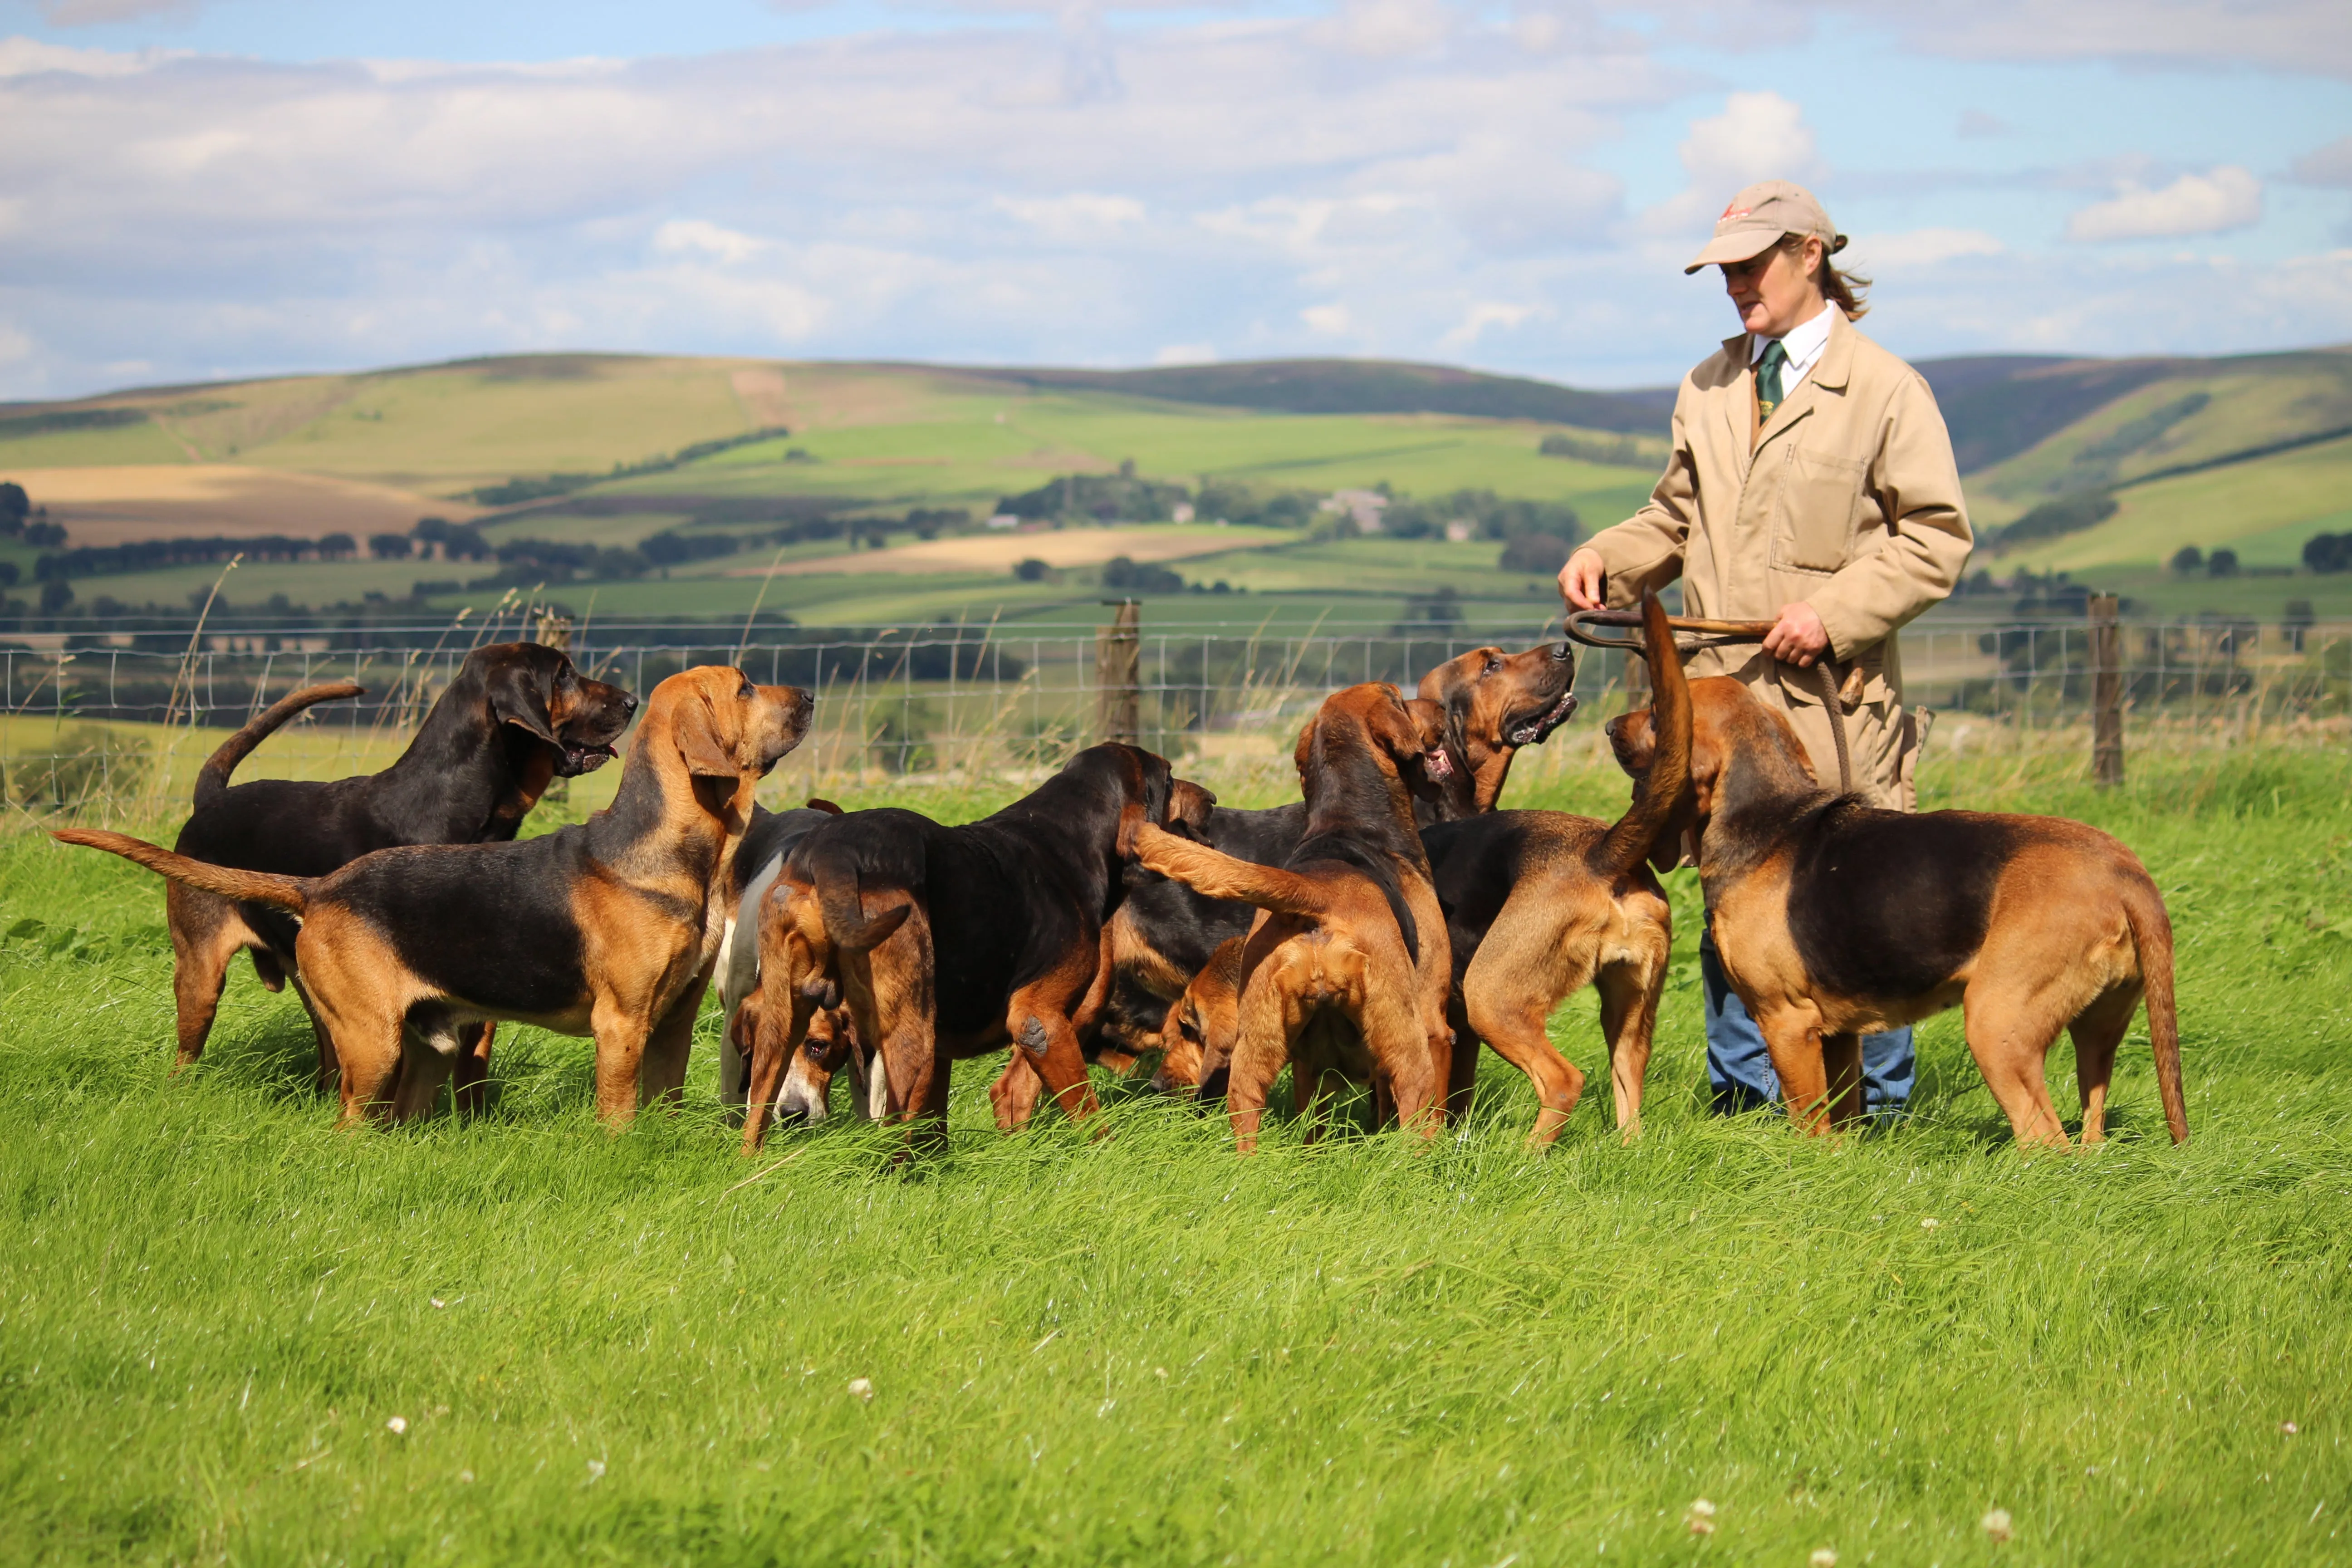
(1739, 1069)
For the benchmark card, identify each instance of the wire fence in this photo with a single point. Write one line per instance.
(108, 724)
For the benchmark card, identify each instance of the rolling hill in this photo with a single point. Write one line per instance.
(607, 451)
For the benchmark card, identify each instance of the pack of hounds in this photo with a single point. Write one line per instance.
(1374, 932)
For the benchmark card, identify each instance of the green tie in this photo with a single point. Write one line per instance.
(1767, 379)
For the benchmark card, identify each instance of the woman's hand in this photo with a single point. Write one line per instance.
(1797, 638)
(1580, 580)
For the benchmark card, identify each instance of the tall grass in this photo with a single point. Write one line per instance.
(1139, 1349)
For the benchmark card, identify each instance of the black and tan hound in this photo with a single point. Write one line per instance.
(516, 716)
(607, 929)
(1836, 919)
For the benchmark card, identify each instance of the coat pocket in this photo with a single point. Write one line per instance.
(1814, 523)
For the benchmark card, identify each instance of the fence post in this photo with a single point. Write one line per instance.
(1118, 673)
(2106, 691)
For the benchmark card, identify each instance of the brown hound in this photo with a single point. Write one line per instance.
(1835, 919)
(1538, 903)
(516, 716)
(951, 943)
(607, 929)
(1346, 967)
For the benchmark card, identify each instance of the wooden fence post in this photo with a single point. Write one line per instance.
(2106, 691)
(1119, 670)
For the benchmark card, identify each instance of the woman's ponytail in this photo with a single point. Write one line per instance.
(1849, 291)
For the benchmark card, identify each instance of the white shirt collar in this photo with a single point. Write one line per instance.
(1804, 344)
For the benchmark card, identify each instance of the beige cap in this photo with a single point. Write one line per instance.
(1758, 217)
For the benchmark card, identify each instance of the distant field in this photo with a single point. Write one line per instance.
(2264, 510)
(113, 505)
(963, 454)
(2196, 412)
(995, 555)
(373, 452)
(2152, 592)
(1294, 583)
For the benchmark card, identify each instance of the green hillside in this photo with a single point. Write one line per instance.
(608, 451)
(1369, 386)
(2193, 416)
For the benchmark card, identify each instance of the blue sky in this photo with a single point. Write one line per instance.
(198, 188)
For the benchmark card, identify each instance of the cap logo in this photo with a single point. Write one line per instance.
(1733, 211)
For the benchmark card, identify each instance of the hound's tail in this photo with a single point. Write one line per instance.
(846, 923)
(1217, 875)
(1656, 799)
(288, 893)
(2151, 929)
(213, 777)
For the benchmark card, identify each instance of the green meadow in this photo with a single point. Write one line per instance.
(235, 1334)
(878, 440)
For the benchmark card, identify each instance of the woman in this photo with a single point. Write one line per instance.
(1811, 484)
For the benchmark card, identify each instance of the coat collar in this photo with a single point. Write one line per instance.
(1833, 372)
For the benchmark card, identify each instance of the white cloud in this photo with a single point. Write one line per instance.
(2301, 36)
(1012, 180)
(29, 56)
(1080, 216)
(1332, 319)
(2212, 202)
(693, 237)
(1918, 247)
(1315, 228)
(789, 312)
(1484, 315)
(1392, 28)
(212, 212)
(1511, 192)
(1184, 354)
(1758, 136)
(14, 345)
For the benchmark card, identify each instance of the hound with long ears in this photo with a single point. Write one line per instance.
(1540, 903)
(949, 943)
(1495, 704)
(752, 870)
(1346, 967)
(1835, 919)
(516, 716)
(1198, 1031)
(608, 929)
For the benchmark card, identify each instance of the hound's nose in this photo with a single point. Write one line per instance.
(1562, 651)
(628, 702)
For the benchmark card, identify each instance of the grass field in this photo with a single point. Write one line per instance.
(1365, 579)
(372, 452)
(2264, 510)
(2202, 410)
(234, 1334)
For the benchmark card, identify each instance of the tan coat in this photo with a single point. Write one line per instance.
(1847, 499)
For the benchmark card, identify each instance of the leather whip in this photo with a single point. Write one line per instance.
(1591, 628)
